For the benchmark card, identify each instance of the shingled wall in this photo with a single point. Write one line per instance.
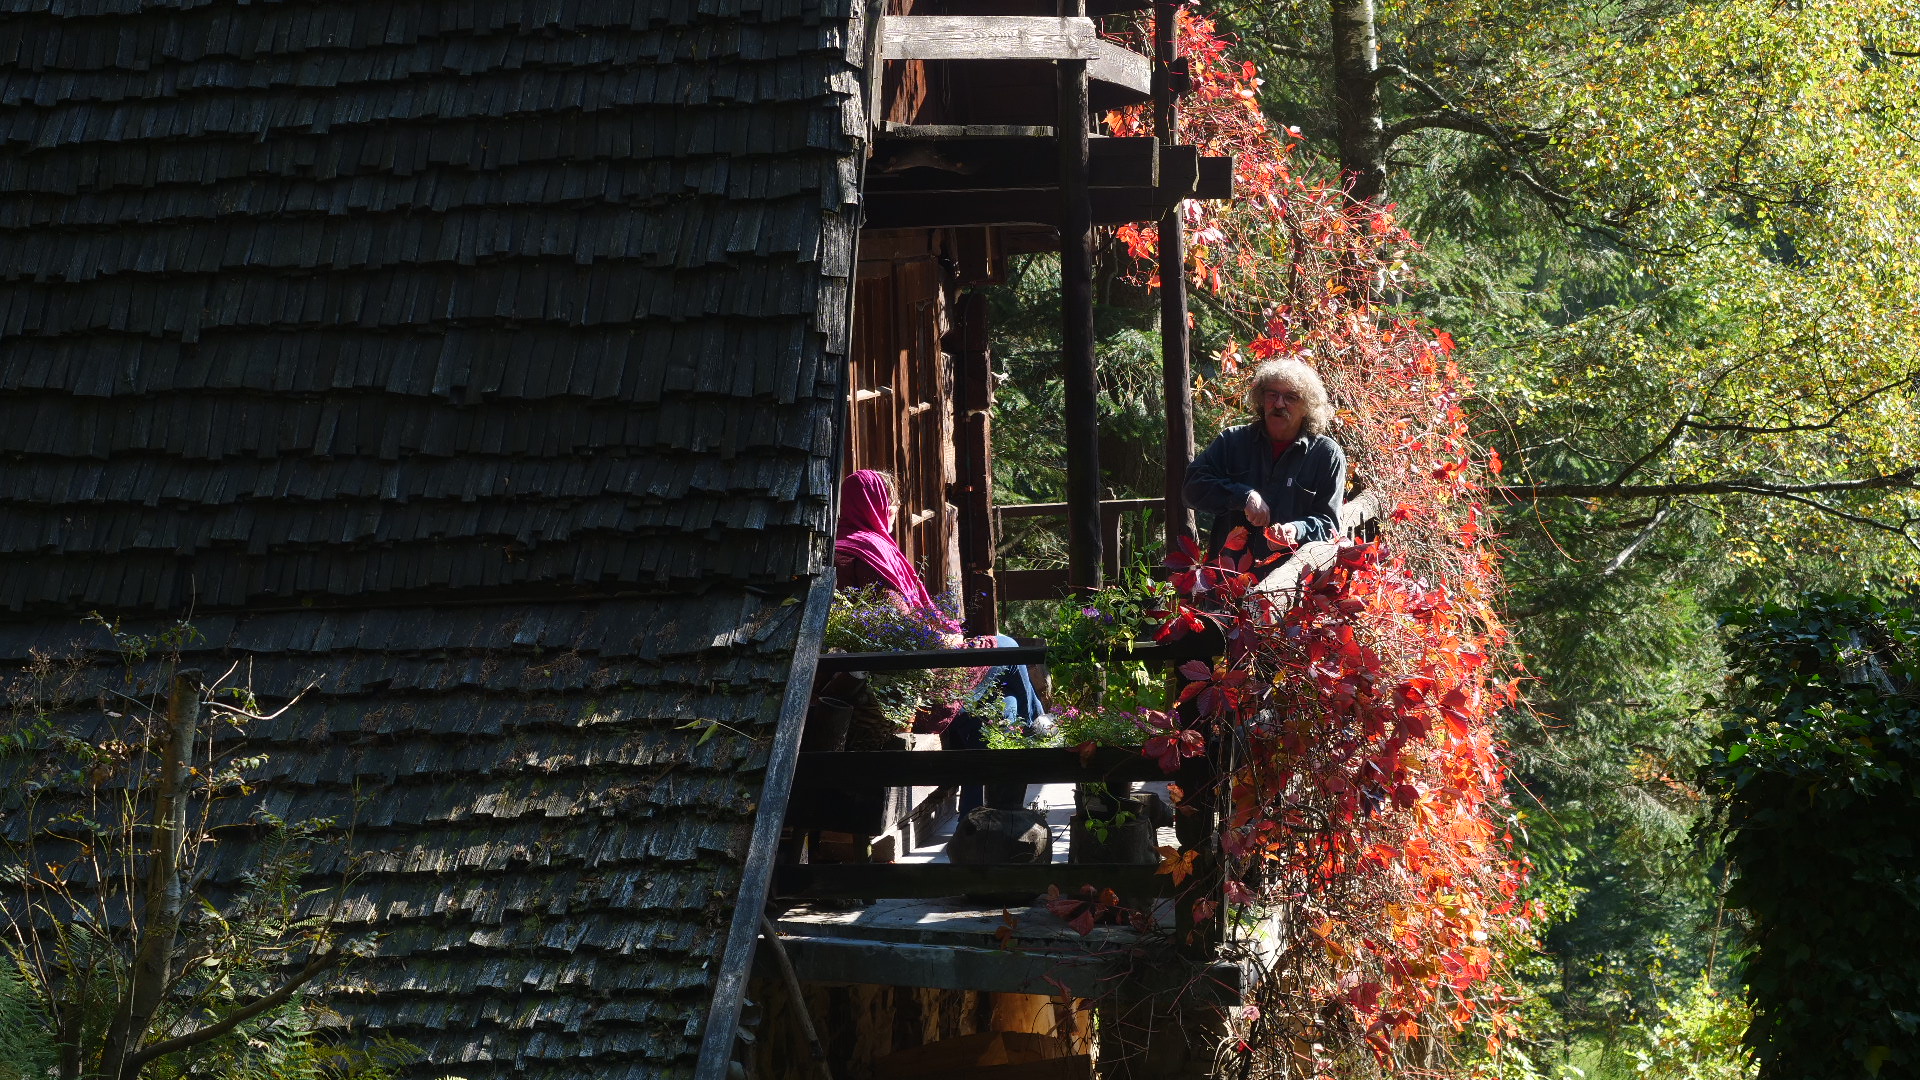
(475, 360)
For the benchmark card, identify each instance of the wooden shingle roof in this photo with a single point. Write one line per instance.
(476, 360)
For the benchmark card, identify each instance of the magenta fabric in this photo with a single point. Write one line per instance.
(864, 550)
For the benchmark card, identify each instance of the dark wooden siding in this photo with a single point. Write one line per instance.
(478, 361)
(902, 383)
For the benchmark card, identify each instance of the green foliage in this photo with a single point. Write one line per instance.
(83, 755)
(26, 1035)
(1818, 764)
(1701, 1038)
(1673, 241)
(1083, 632)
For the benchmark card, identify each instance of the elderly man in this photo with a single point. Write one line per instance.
(1282, 469)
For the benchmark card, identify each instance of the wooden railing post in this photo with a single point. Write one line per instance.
(1175, 343)
(973, 444)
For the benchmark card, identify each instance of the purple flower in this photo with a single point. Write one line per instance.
(1090, 612)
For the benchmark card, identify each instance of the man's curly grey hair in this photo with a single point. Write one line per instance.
(1302, 378)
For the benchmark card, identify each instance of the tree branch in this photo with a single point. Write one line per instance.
(1789, 429)
(238, 1016)
(1672, 436)
(1905, 478)
(1614, 564)
(1449, 116)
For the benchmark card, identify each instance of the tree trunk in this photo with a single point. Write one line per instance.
(1356, 97)
(165, 900)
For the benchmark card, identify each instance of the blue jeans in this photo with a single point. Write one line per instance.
(1019, 704)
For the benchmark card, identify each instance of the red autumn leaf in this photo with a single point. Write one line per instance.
(1185, 555)
(1236, 540)
(1164, 751)
(1082, 923)
(1196, 671)
(1364, 997)
(1086, 751)
(1176, 864)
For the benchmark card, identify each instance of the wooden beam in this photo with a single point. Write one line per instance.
(950, 967)
(1079, 368)
(895, 130)
(1179, 172)
(1032, 584)
(1090, 971)
(853, 881)
(990, 37)
(1216, 178)
(992, 164)
(1057, 509)
(973, 446)
(927, 659)
(939, 768)
(1016, 206)
(1019, 37)
(1176, 369)
(1120, 67)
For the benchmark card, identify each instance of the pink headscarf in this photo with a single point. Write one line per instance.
(862, 536)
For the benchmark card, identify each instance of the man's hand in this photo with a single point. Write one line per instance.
(1258, 513)
(1288, 533)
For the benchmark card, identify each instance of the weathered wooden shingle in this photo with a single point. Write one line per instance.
(472, 364)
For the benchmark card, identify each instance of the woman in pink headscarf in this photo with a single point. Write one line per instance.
(864, 551)
(864, 554)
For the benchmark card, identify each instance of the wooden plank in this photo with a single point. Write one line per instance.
(1073, 1067)
(852, 881)
(968, 1051)
(1216, 178)
(990, 37)
(1032, 584)
(973, 446)
(892, 130)
(1059, 509)
(1079, 364)
(736, 962)
(1179, 173)
(1051, 765)
(1019, 206)
(976, 163)
(1120, 68)
(1176, 368)
(832, 662)
(950, 967)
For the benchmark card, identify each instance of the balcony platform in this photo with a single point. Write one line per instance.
(956, 943)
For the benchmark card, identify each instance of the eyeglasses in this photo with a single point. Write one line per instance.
(1280, 395)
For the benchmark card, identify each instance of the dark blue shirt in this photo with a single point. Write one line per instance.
(1303, 486)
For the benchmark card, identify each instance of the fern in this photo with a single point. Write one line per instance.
(26, 1035)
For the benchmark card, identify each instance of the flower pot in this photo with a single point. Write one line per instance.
(827, 722)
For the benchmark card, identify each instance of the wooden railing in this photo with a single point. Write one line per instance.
(853, 770)
(1048, 584)
(900, 768)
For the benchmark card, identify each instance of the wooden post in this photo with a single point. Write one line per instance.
(1175, 342)
(973, 446)
(1079, 374)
